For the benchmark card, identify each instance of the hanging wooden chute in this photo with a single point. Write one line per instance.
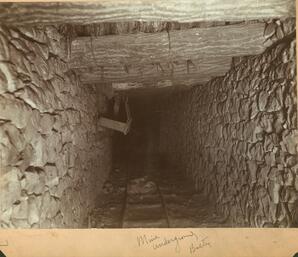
(123, 127)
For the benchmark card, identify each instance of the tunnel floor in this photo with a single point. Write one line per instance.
(158, 202)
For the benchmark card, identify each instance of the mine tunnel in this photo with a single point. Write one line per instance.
(139, 124)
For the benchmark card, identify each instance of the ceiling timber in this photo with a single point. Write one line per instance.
(133, 27)
(185, 57)
(143, 10)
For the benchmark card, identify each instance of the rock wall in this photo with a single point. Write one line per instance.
(236, 137)
(53, 156)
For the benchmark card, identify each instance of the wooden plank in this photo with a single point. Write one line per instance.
(189, 56)
(132, 27)
(194, 78)
(146, 10)
(119, 50)
(113, 124)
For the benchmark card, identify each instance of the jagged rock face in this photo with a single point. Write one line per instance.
(239, 140)
(53, 158)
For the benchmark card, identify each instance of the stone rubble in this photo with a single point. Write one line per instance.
(141, 186)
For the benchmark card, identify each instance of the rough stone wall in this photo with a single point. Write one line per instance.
(53, 156)
(236, 137)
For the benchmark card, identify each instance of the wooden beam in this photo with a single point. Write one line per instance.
(133, 27)
(166, 84)
(190, 56)
(146, 10)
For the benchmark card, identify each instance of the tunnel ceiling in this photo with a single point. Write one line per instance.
(164, 58)
(144, 10)
(190, 43)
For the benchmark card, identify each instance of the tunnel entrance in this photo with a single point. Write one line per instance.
(209, 138)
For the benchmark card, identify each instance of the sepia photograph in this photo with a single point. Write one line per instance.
(148, 114)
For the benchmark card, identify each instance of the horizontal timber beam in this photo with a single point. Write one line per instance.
(145, 10)
(191, 56)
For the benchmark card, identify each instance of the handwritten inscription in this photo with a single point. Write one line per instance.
(195, 241)
(199, 245)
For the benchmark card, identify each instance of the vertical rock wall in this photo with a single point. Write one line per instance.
(53, 157)
(236, 137)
